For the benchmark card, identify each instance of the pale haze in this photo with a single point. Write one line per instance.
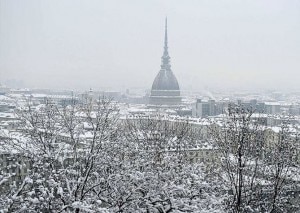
(68, 44)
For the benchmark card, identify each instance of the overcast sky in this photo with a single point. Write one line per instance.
(118, 44)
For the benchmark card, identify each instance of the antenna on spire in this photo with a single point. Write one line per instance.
(166, 58)
(166, 33)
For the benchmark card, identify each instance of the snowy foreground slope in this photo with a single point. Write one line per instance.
(84, 157)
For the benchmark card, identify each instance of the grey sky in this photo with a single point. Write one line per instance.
(118, 44)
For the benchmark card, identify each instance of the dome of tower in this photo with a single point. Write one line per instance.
(165, 80)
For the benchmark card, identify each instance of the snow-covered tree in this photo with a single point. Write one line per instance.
(65, 147)
(254, 170)
(81, 157)
(161, 155)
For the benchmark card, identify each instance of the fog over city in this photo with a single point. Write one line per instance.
(250, 44)
(158, 106)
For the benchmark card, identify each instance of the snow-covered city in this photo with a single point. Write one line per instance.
(78, 134)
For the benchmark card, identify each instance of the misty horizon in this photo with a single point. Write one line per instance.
(253, 45)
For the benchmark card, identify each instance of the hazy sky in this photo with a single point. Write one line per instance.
(118, 44)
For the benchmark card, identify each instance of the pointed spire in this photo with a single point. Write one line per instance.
(165, 59)
(166, 35)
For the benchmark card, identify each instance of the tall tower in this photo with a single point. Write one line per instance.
(165, 88)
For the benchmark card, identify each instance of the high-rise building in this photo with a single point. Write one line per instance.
(165, 88)
(203, 109)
